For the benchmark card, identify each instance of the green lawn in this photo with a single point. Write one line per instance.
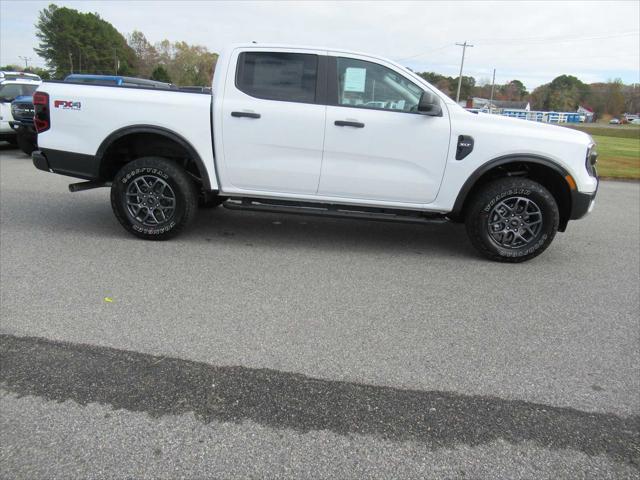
(618, 157)
(604, 130)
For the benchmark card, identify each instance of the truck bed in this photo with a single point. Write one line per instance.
(110, 109)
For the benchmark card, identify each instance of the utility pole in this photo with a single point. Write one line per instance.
(79, 61)
(464, 48)
(115, 60)
(71, 61)
(26, 61)
(493, 86)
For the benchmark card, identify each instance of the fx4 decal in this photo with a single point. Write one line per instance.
(67, 104)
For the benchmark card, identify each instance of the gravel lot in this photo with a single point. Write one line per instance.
(272, 346)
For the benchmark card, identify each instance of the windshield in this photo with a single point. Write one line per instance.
(10, 91)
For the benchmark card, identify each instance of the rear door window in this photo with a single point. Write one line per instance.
(289, 77)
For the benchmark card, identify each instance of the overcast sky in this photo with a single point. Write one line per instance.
(530, 41)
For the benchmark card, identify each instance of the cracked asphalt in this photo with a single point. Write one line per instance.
(273, 346)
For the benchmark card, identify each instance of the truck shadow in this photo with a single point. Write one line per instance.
(89, 214)
(296, 231)
(6, 146)
(159, 386)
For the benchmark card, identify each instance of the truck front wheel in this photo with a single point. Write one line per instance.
(153, 198)
(512, 219)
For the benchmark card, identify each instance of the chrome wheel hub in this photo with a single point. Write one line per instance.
(514, 222)
(150, 200)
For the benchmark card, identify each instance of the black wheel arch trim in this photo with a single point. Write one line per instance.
(503, 160)
(165, 132)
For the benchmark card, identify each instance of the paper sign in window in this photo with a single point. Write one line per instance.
(354, 79)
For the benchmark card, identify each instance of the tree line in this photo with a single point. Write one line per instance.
(563, 94)
(74, 42)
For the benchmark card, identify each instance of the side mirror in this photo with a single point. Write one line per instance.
(429, 105)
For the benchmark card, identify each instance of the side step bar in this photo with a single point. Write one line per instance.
(333, 211)
(82, 186)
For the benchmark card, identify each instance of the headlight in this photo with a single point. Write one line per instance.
(591, 160)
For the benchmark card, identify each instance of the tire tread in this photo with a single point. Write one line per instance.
(178, 175)
(488, 192)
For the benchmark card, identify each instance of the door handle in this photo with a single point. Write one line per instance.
(245, 114)
(343, 123)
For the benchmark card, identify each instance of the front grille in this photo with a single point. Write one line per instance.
(22, 111)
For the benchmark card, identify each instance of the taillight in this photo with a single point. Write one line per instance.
(41, 119)
(592, 159)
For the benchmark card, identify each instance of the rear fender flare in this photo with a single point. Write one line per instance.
(123, 132)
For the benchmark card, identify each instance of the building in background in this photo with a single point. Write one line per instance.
(522, 110)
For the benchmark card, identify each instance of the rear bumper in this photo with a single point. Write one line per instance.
(582, 203)
(72, 164)
(40, 161)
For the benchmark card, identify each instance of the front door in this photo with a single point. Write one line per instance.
(377, 146)
(273, 123)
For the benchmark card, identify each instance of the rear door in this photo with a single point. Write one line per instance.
(377, 146)
(273, 120)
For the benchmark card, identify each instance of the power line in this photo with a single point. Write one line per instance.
(424, 53)
(548, 40)
(528, 41)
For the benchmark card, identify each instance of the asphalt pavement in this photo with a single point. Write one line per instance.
(273, 346)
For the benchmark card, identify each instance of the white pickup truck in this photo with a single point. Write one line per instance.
(318, 132)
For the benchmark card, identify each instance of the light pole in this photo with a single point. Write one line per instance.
(464, 48)
(493, 85)
(26, 61)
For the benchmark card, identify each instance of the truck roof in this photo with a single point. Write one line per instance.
(301, 47)
(116, 80)
(21, 76)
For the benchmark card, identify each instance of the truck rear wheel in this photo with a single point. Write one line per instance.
(512, 219)
(153, 198)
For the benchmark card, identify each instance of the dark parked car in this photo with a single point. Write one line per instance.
(22, 111)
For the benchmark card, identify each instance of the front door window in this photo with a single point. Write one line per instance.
(369, 85)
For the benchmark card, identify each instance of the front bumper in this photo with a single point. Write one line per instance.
(582, 203)
(26, 127)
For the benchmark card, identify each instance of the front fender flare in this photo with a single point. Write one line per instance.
(496, 162)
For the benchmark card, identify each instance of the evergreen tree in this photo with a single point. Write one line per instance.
(82, 43)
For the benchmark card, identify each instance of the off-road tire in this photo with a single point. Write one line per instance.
(27, 146)
(128, 193)
(485, 212)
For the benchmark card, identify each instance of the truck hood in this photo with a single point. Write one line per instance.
(23, 99)
(530, 128)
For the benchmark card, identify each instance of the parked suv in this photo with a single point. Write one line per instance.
(13, 85)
